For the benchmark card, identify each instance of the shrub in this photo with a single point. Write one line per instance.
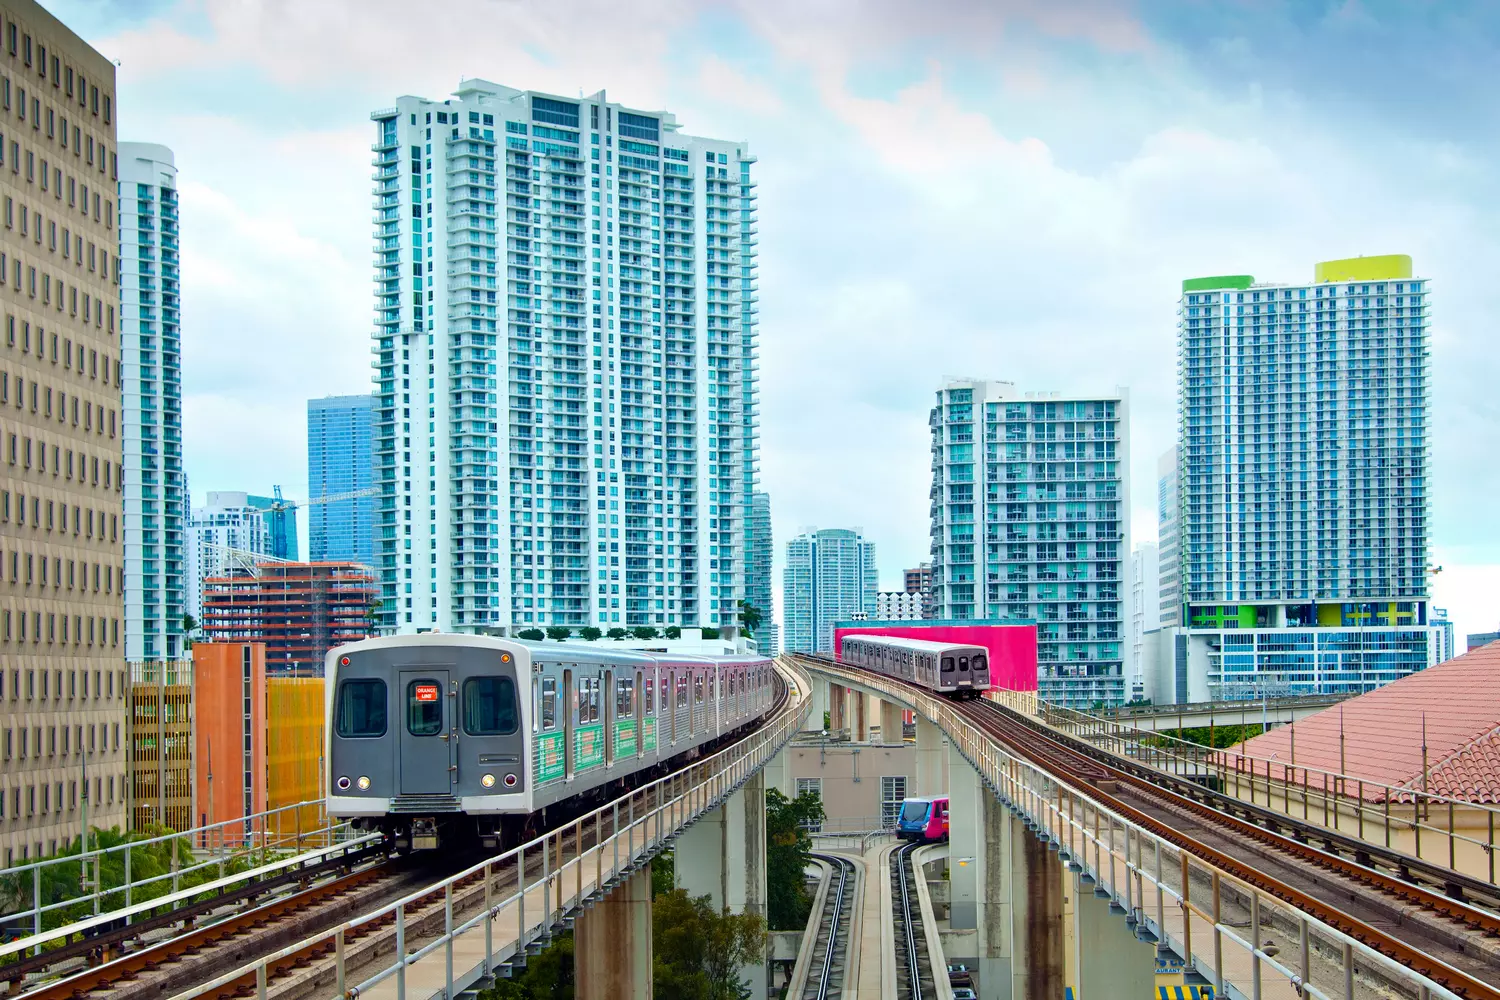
(534, 634)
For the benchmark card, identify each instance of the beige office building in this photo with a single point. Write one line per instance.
(62, 704)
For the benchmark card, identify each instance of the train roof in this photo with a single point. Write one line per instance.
(570, 652)
(917, 645)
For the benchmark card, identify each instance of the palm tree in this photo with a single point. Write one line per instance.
(749, 618)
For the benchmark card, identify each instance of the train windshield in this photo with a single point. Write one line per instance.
(361, 709)
(979, 663)
(489, 706)
(947, 664)
(914, 810)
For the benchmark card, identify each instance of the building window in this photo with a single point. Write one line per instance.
(892, 794)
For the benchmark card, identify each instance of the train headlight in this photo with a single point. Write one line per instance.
(363, 782)
(488, 781)
(343, 782)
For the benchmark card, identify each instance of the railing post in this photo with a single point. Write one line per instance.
(127, 883)
(400, 951)
(521, 887)
(1218, 937)
(260, 981)
(338, 958)
(1255, 943)
(1348, 971)
(448, 939)
(489, 918)
(36, 907)
(1187, 912)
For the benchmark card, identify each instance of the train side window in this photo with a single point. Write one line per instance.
(648, 692)
(624, 689)
(361, 713)
(489, 706)
(549, 703)
(424, 707)
(682, 690)
(588, 710)
(697, 689)
(947, 664)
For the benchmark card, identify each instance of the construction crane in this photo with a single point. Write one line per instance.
(277, 513)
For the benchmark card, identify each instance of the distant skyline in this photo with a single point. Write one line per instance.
(1013, 190)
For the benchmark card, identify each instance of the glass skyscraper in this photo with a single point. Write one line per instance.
(1302, 476)
(339, 461)
(758, 570)
(830, 576)
(155, 497)
(566, 367)
(1028, 522)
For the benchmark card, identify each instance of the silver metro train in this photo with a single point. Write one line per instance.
(442, 737)
(957, 670)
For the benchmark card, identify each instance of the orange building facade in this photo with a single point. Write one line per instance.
(229, 733)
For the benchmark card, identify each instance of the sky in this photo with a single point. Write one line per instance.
(1011, 189)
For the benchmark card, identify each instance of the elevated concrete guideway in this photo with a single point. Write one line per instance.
(1039, 847)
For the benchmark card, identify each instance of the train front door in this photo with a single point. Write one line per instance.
(426, 733)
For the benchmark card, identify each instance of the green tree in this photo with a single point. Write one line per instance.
(189, 627)
(698, 954)
(617, 633)
(589, 633)
(663, 874)
(559, 632)
(750, 617)
(709, 632)
(548, 976)
(644, 632)
(788, 852)
(673, 632)
(534, 634)
(372, 614)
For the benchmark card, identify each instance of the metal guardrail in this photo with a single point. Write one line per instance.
(1455, 833)
(1160, 886)
(626, 834)
(231, 847)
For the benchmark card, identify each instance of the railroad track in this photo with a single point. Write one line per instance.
(163, 968)
(1448, 940)
(831, 945)
(914, 975)
(119, 937)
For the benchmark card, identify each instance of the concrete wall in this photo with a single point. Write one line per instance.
(851, 776)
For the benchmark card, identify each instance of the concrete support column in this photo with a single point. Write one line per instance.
(966, 838)
(1036, 917)
(1112, 962)
(861, 732)
(837, 703)
(890, 722)
(612, 953)
(819, 698)
(932, 774)
(723, 856)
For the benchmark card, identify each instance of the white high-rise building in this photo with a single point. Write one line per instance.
(898, 605)
(565, 363)
(1028, 522)
(223, 532)
(1302, 480)
(155, 496)
(1145, 607)
(830, 576)
(1168, 568)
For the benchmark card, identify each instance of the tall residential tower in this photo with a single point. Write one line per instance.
(156, 499)
(1303, 460)
(830, 576)
(565, 363)
(758, 570)
(62, 654)
(1028, 522)
(340, 461)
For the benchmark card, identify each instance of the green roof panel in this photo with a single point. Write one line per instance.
(1239, 281)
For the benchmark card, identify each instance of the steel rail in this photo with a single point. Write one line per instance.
(834, 950)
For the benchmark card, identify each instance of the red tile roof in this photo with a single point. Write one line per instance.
(1382, 732)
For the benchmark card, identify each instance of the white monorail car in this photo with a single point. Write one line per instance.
(441, 736)
(958, 670)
